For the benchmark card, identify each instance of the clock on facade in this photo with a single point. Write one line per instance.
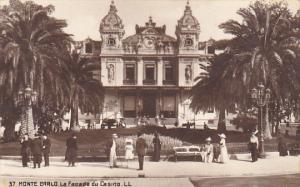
(111, 20)
(149, 42)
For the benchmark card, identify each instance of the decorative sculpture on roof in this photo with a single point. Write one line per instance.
(111, 21)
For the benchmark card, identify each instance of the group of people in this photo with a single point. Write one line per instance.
(37, 148)
(218, 153)
(254, 143)
(141, 147)
(40, 147)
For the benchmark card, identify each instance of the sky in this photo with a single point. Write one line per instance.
(84, 16)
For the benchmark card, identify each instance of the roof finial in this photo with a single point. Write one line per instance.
(113, 6)
(150, 19)
(188, 3)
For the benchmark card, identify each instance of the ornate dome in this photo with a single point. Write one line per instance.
(188, 20)
(111, 21)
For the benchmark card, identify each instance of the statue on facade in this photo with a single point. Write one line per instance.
(188, 73)
(110, 72)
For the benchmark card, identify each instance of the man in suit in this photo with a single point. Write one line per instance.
(141, 150)
(46, 149)
(25, 150)
(71, 153)
(36, 149)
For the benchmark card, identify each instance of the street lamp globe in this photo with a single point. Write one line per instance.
(254, 93)
(28, 92)
(34, 97)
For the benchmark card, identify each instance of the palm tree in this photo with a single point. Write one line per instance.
(85, 91)
(264, 49)
(32, 40)
(215, 89)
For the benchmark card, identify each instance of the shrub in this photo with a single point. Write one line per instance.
(245, 122)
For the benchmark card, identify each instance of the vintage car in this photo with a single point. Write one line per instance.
(109, 123)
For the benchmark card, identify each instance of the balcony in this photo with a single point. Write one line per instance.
(149, 82)
(169, 82)
(129, 82)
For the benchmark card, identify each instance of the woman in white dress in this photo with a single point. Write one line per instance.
(128, 150)
(223, 149)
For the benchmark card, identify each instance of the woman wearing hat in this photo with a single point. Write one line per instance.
(112, 151)
(253, 146)
(223, 149)
(128, 150)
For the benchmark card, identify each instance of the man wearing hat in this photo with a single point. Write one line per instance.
(36, 150)
(71, 152)
(112, 151)
(25, 150)
(46, 149)
(141, 150)
(208, 151)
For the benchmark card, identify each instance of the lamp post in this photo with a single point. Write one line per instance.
(261, 97)
(25, 99)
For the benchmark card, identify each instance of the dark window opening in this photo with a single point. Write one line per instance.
(169, 106)
(88, 48)
(111, 42)
(168, 73)
(211, 50)
(150, 72)
(188, 42)
(130, 72)
(129, 106)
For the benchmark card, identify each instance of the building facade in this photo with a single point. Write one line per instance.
(149, 74)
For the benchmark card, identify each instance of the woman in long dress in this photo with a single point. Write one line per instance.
(223, 149)
(157, 147)
(128, 150)
(253, 146)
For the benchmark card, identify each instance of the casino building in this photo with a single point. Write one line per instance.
(149, 74)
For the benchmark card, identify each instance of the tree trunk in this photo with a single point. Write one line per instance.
(27, 125)
(267, 131)
(74, 116)
(9, 132)
(222, 122)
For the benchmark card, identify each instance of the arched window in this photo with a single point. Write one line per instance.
(188, 42)
(111, 42)
(88, 48)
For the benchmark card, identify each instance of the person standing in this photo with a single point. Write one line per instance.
(25, 150)
(128, 150)
(282, 147)
(157, 147)
(112, 151)
(36, 149)
(209, 154)
(253, 146)
(141, 150)
(71, 153)
(46, 149)
(223, 149)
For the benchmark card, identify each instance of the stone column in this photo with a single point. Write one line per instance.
(140, 71)
(160, 71)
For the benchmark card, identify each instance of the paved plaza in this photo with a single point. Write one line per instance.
(272, 165)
